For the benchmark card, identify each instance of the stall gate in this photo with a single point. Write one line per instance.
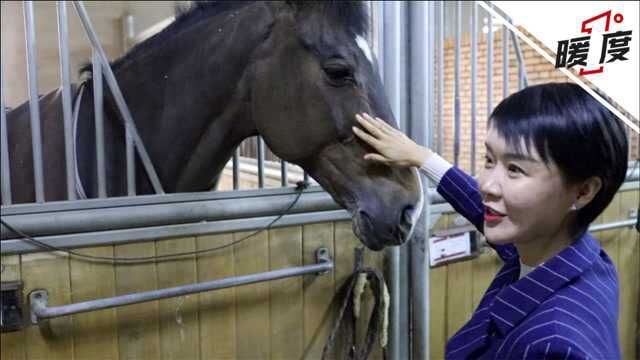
(291, 318)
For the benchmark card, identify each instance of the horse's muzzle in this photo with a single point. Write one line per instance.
(378, 232)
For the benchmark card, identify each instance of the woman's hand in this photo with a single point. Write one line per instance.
(393, 147)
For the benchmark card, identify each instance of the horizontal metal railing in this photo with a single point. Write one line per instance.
(41, 311)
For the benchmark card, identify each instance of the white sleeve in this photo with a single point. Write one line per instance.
(435, 167)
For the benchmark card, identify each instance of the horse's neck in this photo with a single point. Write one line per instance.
(188, 97)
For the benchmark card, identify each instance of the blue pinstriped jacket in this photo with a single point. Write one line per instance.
(567, 308)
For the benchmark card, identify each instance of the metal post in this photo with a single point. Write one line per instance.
(98, 110)
(522, 71)
(131, 163)
(505, 61)
(474, 66)
(34, 106)
(456, 104)
(394, 38)
(236, 169)
(65, 85)
(489, 65)
(284, 174)
(5, 178)
(119, 99)
(422, 36)
(260, 162)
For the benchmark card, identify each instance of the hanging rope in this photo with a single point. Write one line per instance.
(345, 323)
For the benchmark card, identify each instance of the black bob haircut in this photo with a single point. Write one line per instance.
(568, 127)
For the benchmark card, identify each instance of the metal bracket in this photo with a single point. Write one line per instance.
(323, 257)
(38, 300)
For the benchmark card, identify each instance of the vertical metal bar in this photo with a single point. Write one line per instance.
(5, 178)
(65, 84)
(422, 15)
(474, 70)
(236, 168)
(522, 70)
(394, 39)
(131, 163)
(98, 110)
(119, 99)
(489, 64)
(284, 174)
(456, 101)
(505, 61)
(260, 162)
(441, 78)
(305, 178)
(34, 106)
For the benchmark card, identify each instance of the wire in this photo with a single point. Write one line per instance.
(301, 186)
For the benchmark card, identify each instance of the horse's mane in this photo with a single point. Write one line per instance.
(352, 15)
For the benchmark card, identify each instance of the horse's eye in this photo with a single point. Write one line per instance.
(339, 74)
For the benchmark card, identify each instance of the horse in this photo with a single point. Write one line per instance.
(295, 73)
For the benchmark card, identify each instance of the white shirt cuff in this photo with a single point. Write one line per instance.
(435, 167)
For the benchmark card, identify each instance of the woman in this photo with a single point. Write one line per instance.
(554, 160)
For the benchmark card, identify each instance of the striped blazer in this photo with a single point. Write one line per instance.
(566, 308)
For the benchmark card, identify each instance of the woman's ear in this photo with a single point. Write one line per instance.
(587, 190)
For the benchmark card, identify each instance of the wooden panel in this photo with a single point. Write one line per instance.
(318, 291)
(438, 302)
(12, 343)
(373, 259)
(343, 262)
(94, 333)
(252, 301)
(287, 339)
(217, 308)
(629, 275)
(459, 292)
(610, 238)
(178, 316)
(138, 327)
(483, 269)
(50, 272)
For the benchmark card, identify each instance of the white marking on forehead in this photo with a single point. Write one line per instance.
(364, 46)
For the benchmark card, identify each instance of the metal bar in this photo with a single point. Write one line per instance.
(456, 101)
(489, 64)
(41, 311)
(65, 85)
(119, 99)
(614, 225)
(505, 61)
(523, 80)
(260, 162)
(131, 163)
(98, 110)
(422, 28)
(284, 173)
(306, 177)
(474, 75)
(128, 236)
(236, 169)
(34, 106)
(394, 39)
(76, 221)
(5, 178)
(441, 79)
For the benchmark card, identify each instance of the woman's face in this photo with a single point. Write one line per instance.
(525, 199)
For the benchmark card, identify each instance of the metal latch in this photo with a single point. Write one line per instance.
(11, 306)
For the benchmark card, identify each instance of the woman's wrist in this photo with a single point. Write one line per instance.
(421, 155)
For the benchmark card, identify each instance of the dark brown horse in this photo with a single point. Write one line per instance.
(295, 73)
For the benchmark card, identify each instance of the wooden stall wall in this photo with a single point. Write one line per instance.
(283, 319)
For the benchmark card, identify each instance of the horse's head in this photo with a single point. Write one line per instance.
(312, 74)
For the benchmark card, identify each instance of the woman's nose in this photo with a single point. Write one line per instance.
(489, 184)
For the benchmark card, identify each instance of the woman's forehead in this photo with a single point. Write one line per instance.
(519, 145)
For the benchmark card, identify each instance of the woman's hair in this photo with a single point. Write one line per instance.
(568, 127)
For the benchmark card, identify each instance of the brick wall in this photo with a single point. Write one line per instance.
(539, 70)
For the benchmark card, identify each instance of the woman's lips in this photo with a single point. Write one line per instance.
(492, 217)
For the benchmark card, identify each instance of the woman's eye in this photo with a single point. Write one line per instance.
(487, 161)
(515, 169)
